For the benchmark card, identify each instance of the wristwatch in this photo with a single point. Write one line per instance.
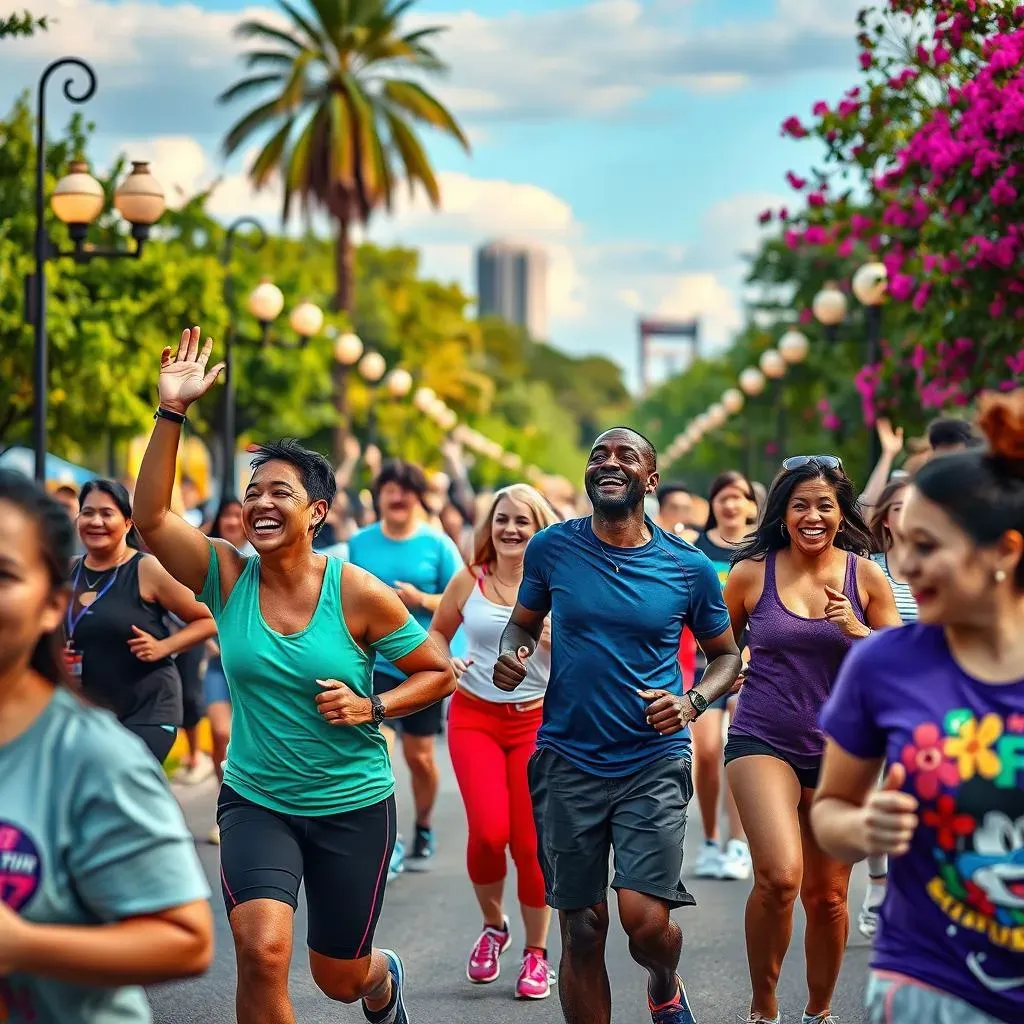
(700, 704)
(377, 709)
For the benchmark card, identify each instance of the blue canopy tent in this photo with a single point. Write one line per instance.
(57, 470)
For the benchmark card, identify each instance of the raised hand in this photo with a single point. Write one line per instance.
(184, 377)
(890, 439)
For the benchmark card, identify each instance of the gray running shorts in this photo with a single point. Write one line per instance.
(582, 817)
(897, 999)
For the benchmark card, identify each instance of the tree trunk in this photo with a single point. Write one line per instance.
(344, 301)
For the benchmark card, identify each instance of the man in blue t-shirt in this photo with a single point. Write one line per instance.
(612, 768)
(418, 561)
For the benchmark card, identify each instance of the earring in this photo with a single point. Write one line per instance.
(1000, 575)
(782, 528)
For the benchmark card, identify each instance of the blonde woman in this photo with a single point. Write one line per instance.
(492, 734)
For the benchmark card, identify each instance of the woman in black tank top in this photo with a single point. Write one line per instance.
(118, 646)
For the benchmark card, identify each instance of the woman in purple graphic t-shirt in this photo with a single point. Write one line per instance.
(808, 595)
(942, 703)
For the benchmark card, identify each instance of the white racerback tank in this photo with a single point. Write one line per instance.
(483, 622)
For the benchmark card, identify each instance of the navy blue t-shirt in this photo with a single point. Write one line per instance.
(614, 633)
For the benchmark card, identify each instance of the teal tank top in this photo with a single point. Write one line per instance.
(283, 755)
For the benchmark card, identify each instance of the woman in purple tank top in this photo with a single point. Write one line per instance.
(804, 589)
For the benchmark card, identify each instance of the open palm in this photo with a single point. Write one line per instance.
(183, 375)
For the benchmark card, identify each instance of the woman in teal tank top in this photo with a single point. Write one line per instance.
(308, 792)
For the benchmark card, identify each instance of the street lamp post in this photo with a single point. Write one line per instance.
(773, 366)
(372, 368)
(77, 201)
(870, 286)
(348, 350)
(752, 383)
(255, 242)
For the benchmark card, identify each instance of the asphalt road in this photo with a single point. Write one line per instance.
(432, 920)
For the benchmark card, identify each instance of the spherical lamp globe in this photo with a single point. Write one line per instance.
(752, 382)
(829, 306)
(266, 301)
(733, 401)
(372, 367)
(78, 197)
(871, 284)
(794, 347)
(306, 319)
(773, 366)
(348, 349)
(424, 399)
(399, 383)
(140, 198)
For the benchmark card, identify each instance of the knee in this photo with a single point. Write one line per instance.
(778, 884)
(219, 737)
(264, 956)
(344, 981)
(584, 933)
(825, 903)
(489, 840)
(420, 760)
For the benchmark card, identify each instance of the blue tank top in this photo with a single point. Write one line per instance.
(793, 663)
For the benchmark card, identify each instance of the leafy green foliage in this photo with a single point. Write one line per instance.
(24, 24)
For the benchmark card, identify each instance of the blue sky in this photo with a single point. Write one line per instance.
(635, 140)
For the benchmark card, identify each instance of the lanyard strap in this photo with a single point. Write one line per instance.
(72, 623)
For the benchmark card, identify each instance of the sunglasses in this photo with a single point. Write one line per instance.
(823, 461)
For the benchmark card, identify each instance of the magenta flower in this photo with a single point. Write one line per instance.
(866, 60)
(792, 127)
(816, 199)
(764, 217)
(795, 181)
(901, 287)
(820, 109)
(816, 235)
(845, 248)
(830, 421)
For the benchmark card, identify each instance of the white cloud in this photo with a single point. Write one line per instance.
(703, 297)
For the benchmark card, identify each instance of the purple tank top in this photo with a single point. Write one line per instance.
(793, 663)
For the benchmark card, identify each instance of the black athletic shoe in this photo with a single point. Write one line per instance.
(396, 1012)
(423, 851)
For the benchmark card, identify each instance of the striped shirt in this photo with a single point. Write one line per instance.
(905, 603)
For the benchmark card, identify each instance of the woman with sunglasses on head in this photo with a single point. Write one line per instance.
(492, 735)
(885, 518)
(119, 647)
(941, 703)
(730, 500)
(308, 793)
(101, 891)
(803, 585)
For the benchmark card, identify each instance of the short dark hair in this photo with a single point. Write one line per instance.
(314, 470)
(646, 445)
(769, 535)
(57, 544)
(982, 491)
(948, 432)
(665, 491)
(408, 476)
(118, 494)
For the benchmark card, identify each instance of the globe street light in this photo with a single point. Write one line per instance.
(399, 383)
(752, 383)
(829, 308)
(265, 303)
(348, 350)
(794, 347)
(871, 286)
(423, 399)
(77, 201)
(733, 401)
(372, 368)
(306, 320)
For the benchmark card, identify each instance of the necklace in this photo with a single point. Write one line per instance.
(604, 551)
(505, 598)
(91, 584)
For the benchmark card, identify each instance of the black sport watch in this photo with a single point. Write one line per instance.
(378, 709)
(700, 705)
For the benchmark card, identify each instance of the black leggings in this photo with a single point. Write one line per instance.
(158, 738)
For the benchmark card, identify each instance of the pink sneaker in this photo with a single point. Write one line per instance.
(484, 960)
(535, 977)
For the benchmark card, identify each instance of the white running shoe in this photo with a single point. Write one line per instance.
(710, 861)
(756, 1018)
(736, 864)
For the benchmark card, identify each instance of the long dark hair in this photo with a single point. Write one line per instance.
(57, 547)
(770, 534)
(118, 494)
(881, 535)
(982, 491)
(225, 504)
(730, 478)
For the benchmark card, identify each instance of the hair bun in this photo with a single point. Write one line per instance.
(1001, 418)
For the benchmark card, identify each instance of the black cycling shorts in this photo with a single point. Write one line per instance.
(341, 858)
(428, 721)
(741, 745)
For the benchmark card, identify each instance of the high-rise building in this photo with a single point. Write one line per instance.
(512, 282)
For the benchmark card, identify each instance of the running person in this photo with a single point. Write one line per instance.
(884, 526)
(942, 704)
(729, 499)
(119, 646)
(308, 793)
(101, 891)
(612, 769)
(493, 734)
(807, 597)
(418, 561)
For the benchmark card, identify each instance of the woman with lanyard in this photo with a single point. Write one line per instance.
(730, 500)
(800, 584)
(101, 890)
(118, 646)
(308, 793)
(941, 704)
(492, 734)
(885, 520)
(226, 525)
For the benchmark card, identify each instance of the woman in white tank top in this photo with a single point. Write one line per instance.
(492, 734)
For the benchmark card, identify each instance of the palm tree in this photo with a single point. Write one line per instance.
(341, 114)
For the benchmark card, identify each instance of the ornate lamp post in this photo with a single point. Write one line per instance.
(870, 286)
(77, 201)
(752, 383)
(372, 368)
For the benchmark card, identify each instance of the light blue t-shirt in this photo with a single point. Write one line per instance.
(427, 559)
(617, 615)
(89, 834)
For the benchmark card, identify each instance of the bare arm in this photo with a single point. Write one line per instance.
(175, 943)
(160, 586)
(518, 642)
(881, 609)
(892, 444)
(742, 581)
(724, 664)
(448, 616)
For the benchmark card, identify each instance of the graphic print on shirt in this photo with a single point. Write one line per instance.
(968, 776)
(20, 866)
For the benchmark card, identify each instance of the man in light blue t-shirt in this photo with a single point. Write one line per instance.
(418, 561)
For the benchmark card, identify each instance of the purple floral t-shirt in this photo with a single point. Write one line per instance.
(953, 916)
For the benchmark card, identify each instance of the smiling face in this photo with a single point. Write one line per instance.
(512, 526)
(230, 525)
(101, 524)
(276, 511)
(813, 516)
(30, 606)
(619, 473)
(398, 506)
(731, 507)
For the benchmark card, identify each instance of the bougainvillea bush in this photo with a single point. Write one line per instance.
(923, 170)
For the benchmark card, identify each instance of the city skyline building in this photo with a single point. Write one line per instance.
(512, 283)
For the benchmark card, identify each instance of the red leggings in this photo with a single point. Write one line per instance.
(489, 746)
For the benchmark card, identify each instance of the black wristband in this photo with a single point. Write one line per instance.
(699, 702)
(166, 414)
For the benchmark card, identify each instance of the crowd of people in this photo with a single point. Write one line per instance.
(836, 676)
